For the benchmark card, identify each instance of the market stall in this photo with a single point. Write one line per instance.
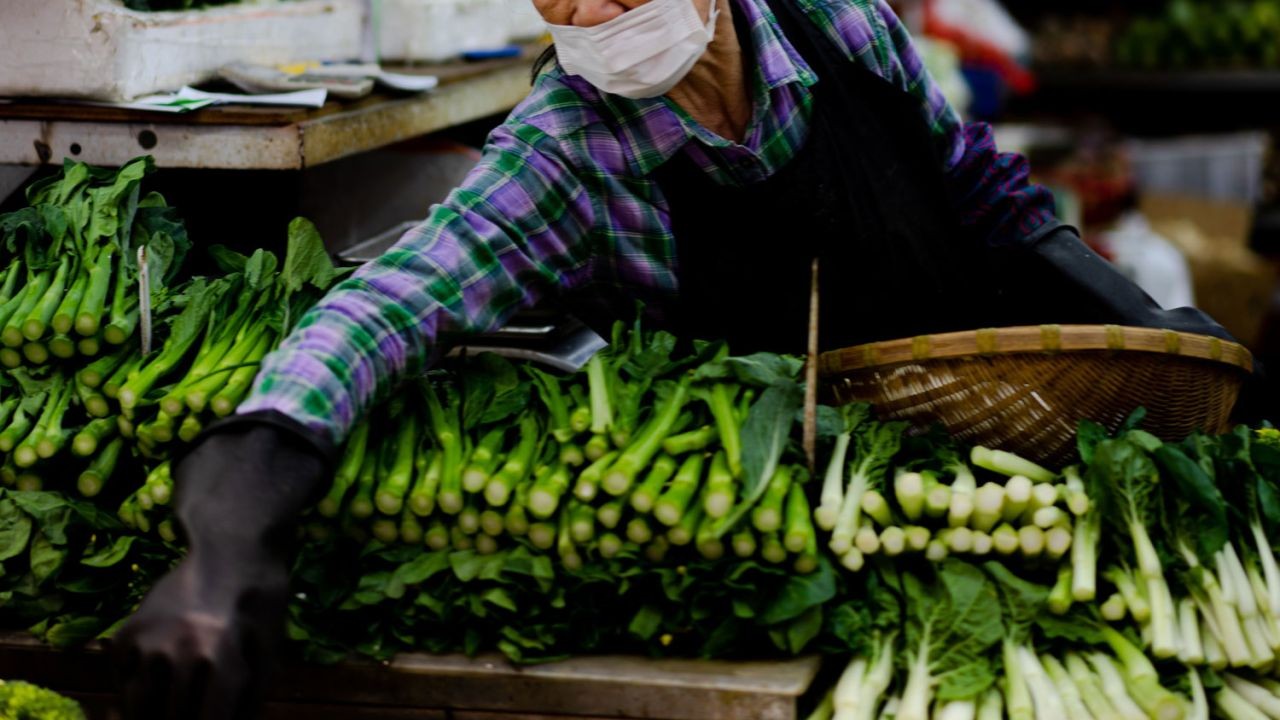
(1040, 522)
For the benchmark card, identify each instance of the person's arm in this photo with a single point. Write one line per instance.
(517, 228)
(201, 643)
(992, 191)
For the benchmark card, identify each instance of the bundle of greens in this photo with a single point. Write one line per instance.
(881, 497)
(71, 257)
(23, 701)
(644, 452)
(1190, 558)
(214, 344)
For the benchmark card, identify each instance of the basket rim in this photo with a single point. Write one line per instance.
(1034, 339)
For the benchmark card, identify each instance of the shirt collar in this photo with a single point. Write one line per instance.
(654, 129)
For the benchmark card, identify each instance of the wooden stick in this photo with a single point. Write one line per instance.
(811, 377)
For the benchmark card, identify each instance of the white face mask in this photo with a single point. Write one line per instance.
(642, 53)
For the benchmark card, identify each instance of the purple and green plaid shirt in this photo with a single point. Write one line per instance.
(564, 197)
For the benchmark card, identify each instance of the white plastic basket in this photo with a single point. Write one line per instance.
(98, 49)
(1224, 167)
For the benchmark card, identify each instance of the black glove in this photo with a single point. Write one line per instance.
(202, 641)
(1060, 279)
(1082, 287)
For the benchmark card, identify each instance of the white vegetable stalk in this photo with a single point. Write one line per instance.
(848, 521)
(1199, 709)
(877, 508)
(867, 540)
(893, 541)
(982, 543)
(936, 551)
(1256, 695)
(1042, 497)
(1057, 541)
(991, 705)
(1076, 498)
(1164, 619)
(1235, 707)
(937, 500)
(918, 692)
(853, 560)
(961, 509)
(1192, 651)
(1084, 559)
(1017, 498)
(1044, 695)
(1005, 463)
(1114, 688)
(918, 538)
(1090, 688)
(908, 488)
(1072, 703)
(1270, 568)
(1017, 696)
(1005, 539)
(832, 498)
(956, 710)
(848, 696)
(1214, 656)
(1113, 608)
(988, 507)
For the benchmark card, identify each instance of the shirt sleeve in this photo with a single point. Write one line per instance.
(992, 191)
(516, 229)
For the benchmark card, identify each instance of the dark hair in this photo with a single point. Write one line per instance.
(545, 59)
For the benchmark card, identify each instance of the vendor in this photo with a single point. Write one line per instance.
(694, 155)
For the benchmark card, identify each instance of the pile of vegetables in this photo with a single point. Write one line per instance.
(23, 701)
(71, 259)
(657, 502)
(644, 451)
(1198, 34)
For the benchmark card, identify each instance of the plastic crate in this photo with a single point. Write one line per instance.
(98, 49)
(1226, 167)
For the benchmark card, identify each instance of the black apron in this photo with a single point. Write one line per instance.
(865, 194)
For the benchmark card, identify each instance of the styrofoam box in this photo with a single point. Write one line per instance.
(1221, 167)
(100, 50)
(437, 30)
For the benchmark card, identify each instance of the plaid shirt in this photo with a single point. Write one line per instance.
(563, 197)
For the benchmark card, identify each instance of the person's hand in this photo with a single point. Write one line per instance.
(200, 644)
(202, 641)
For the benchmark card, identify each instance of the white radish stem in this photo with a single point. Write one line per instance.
(1017, 497)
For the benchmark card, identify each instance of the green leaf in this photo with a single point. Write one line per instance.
(111, 554)
(1088, 435)
(646, 622)
(1200, 503)
(1023, 602)
(306, 260)
(954, 622)
(260, 269)
(15, 530)
(799, 593)
(228, 260)
(499, 597)
(804, 629)
(764, 437)
(764, 370)
(1075, 627)
(73, 632)
(45, 558)
(421, 568)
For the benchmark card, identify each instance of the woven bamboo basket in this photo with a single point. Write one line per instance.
(1025, 389)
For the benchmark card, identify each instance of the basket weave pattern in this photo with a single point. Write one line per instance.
(1026, 389)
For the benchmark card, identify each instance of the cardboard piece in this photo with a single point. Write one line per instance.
(1232, 283)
